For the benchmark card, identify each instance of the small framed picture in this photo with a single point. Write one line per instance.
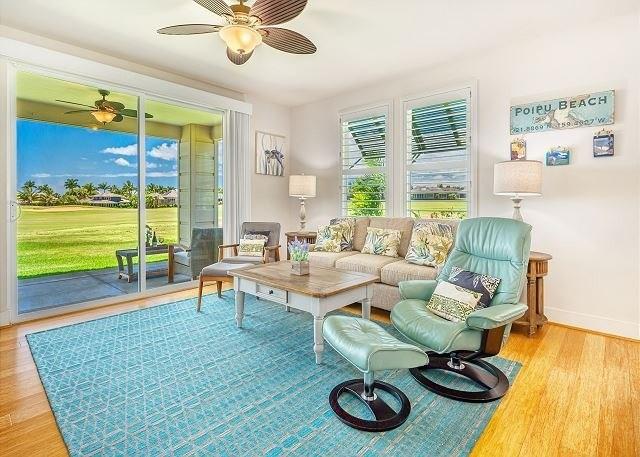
(560, 155)
(519, 149)
(603, 144)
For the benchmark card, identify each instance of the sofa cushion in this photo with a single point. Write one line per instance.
(382, 242)
(395, 272)
(349, 224)
(430, 243)
(329, 238)
(404, 224)
(365, 263)
(327, 259)
(360, 233)
(183, 258)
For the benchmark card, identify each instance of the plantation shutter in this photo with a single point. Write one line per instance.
(438, 158)
(364, 159)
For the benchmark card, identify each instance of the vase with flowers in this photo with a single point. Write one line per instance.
(299, 253)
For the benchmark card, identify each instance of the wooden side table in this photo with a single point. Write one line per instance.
(309, 237)
(538, 269)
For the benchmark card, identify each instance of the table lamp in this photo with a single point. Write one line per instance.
(303, 187)
(517, 179)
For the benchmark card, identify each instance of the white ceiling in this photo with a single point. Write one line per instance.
(359, 42)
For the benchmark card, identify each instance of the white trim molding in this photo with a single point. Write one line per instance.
(627, 329)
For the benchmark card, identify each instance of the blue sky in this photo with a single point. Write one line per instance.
(51, 153)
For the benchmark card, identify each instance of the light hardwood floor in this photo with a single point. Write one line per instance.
(578, 393)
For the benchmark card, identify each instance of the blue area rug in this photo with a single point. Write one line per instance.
(169, 381)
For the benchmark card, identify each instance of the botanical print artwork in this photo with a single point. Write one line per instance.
(452, 302)
(270, 154)
(484, 284)
(430, 244)
(251, 248)
(329, 238)
(349, 224)
(381, 241)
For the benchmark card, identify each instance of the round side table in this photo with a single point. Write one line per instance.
(538, 269)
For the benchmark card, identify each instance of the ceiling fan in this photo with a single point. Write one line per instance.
(106, 111)
(244, 29)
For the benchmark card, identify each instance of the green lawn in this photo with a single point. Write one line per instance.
(426, 208)
(61, 239)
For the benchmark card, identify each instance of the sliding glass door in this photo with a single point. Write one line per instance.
(86, 187)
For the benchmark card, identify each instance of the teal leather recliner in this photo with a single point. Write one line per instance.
(493, 246)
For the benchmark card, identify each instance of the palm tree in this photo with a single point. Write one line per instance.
(90, 188)
(28, 192)
(71, 184)
(29, 184)
(103, 186)
(47, 195)
(115, 189)
(128, 189)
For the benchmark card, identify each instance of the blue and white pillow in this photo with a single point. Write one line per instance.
(483, 284)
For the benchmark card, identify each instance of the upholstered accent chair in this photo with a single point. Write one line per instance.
(492, 246)
(217, 272)
(191, 260)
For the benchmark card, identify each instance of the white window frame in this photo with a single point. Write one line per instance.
(386, 109)
(469, 91)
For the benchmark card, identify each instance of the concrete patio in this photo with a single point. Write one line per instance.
(35, 294)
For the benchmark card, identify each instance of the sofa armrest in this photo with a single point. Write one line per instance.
(420, 289)
(495, 316)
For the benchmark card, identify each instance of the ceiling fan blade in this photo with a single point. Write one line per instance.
(118, 118)
(272, 12)
(189, 29)
(80, 111)
(116, 106)
(128, 112)
(287, 40)
(238, 59)
(218, 7)
(74, 103)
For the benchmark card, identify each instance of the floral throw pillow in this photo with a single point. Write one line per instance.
(329, 238)
(349, 224)
(453, 303)
(484, 284)
(430, 244)
(381, 241)
(251, 248)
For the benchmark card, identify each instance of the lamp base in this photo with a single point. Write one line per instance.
(516, 208)
(303, 215)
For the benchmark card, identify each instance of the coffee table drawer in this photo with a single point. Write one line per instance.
(271, 293)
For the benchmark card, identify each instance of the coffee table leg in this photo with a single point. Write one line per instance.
(318, 339)
(239, 308)
(366, 304)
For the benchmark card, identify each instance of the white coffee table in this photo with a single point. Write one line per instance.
(322, 290)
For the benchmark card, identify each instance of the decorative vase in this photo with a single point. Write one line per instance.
(300, 268)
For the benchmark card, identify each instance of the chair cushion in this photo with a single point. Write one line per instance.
(416, 322)
(251, 248)
(396, 272)
(365, 263)
(183, 258)
(368, 346)
(404, 224)
(453, 303)
(222, 268)
(484, 284)
(243, 259)
(328, 259)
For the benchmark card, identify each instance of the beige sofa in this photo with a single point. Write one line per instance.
(390, 270)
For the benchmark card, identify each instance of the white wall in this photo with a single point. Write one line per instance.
(588, 218)
(270, 199)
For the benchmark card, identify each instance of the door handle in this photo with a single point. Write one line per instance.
(15, 211)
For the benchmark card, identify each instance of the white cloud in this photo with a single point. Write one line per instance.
(162, 174)
(165, 151)
(131, 150)
(152, 165)
(124, 163)
(41, 175)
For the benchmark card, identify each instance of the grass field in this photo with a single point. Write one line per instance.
(425, 208)
(62, 239)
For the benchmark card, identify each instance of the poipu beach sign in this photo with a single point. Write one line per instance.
(586, 110)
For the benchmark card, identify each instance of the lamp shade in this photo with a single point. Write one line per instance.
(302, 186)
(517, 177)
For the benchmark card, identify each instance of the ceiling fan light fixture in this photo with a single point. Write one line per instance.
(240, 38)
(103, 116)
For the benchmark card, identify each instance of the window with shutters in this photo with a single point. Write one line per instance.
(438, 156)
(364, 158)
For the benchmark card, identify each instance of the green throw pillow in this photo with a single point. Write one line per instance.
(251, 248)
(329, 238)
(349, 224)
(453, 303)
(381, 241)
(430, 244)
